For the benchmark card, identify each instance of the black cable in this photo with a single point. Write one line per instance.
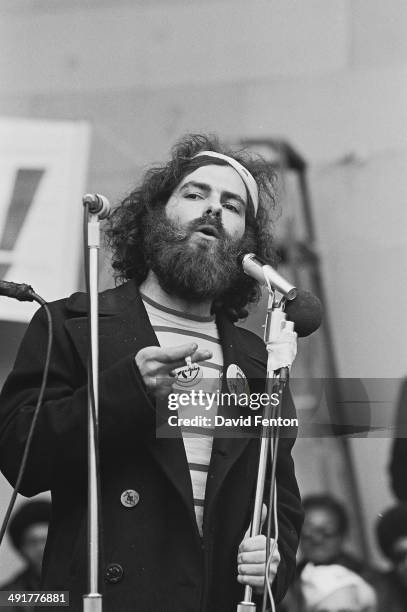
(13, 498)
(92, 390)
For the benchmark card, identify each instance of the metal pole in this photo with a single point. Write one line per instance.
(92, 601)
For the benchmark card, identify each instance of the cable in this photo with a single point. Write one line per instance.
(270, 557)
(272, 500)
(13, 498)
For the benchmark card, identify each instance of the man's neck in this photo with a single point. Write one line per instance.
(153, 290)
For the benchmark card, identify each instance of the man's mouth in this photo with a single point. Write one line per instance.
(209, 231)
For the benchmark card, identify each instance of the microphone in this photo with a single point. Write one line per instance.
(305, 311)
(302, 308)
(18, 291)
(97, 204)
(264, 274)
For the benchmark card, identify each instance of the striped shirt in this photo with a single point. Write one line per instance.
(173, 328)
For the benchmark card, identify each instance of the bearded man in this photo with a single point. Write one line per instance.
(175, 511)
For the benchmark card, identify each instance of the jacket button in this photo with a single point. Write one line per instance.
(129, 498)
(113, 573)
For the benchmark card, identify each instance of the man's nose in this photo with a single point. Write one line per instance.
(214, 206)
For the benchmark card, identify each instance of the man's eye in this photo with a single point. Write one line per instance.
(232, 207)
(194, 196)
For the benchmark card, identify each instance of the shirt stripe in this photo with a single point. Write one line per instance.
(198, 467)
(184, 332)
(177, 313)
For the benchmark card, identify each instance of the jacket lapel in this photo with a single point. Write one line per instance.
(124, 329)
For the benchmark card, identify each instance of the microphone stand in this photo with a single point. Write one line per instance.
(92, 601)
(275, 320)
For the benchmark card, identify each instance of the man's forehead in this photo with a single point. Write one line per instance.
(224, 178)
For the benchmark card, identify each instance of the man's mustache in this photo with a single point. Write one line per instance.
(182, 233)
(207, 221)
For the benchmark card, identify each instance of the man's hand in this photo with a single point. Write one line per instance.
(156, 365)
(251, 559)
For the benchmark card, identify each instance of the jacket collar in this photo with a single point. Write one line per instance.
(111, 301)
(124, 326)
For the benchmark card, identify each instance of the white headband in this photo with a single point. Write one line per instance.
(244, 174)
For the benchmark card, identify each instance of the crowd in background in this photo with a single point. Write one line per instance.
(330, 578)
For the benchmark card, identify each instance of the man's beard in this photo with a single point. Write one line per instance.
(194, 270)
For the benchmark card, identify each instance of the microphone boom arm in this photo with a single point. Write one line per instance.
(255, 267)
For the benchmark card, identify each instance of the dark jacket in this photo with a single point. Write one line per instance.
(154, 558)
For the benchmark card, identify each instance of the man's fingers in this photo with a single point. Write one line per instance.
(256, 582)
(258, 553)
(199, 355)
(255, 569)
(251, 569)
(251, 560)
(165, 355)
(256, 556)
(158, 365)
(253, 573)
(155, 358)
(256, 543)
(165, 362)
(176, 353)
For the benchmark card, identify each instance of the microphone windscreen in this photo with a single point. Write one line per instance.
(305, 311)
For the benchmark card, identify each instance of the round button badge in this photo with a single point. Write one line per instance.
(114, 573)
(130, 498)
(236, 380)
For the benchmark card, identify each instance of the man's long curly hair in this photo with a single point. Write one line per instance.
(126, 226)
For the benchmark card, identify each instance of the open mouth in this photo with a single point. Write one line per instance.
(208, 230)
